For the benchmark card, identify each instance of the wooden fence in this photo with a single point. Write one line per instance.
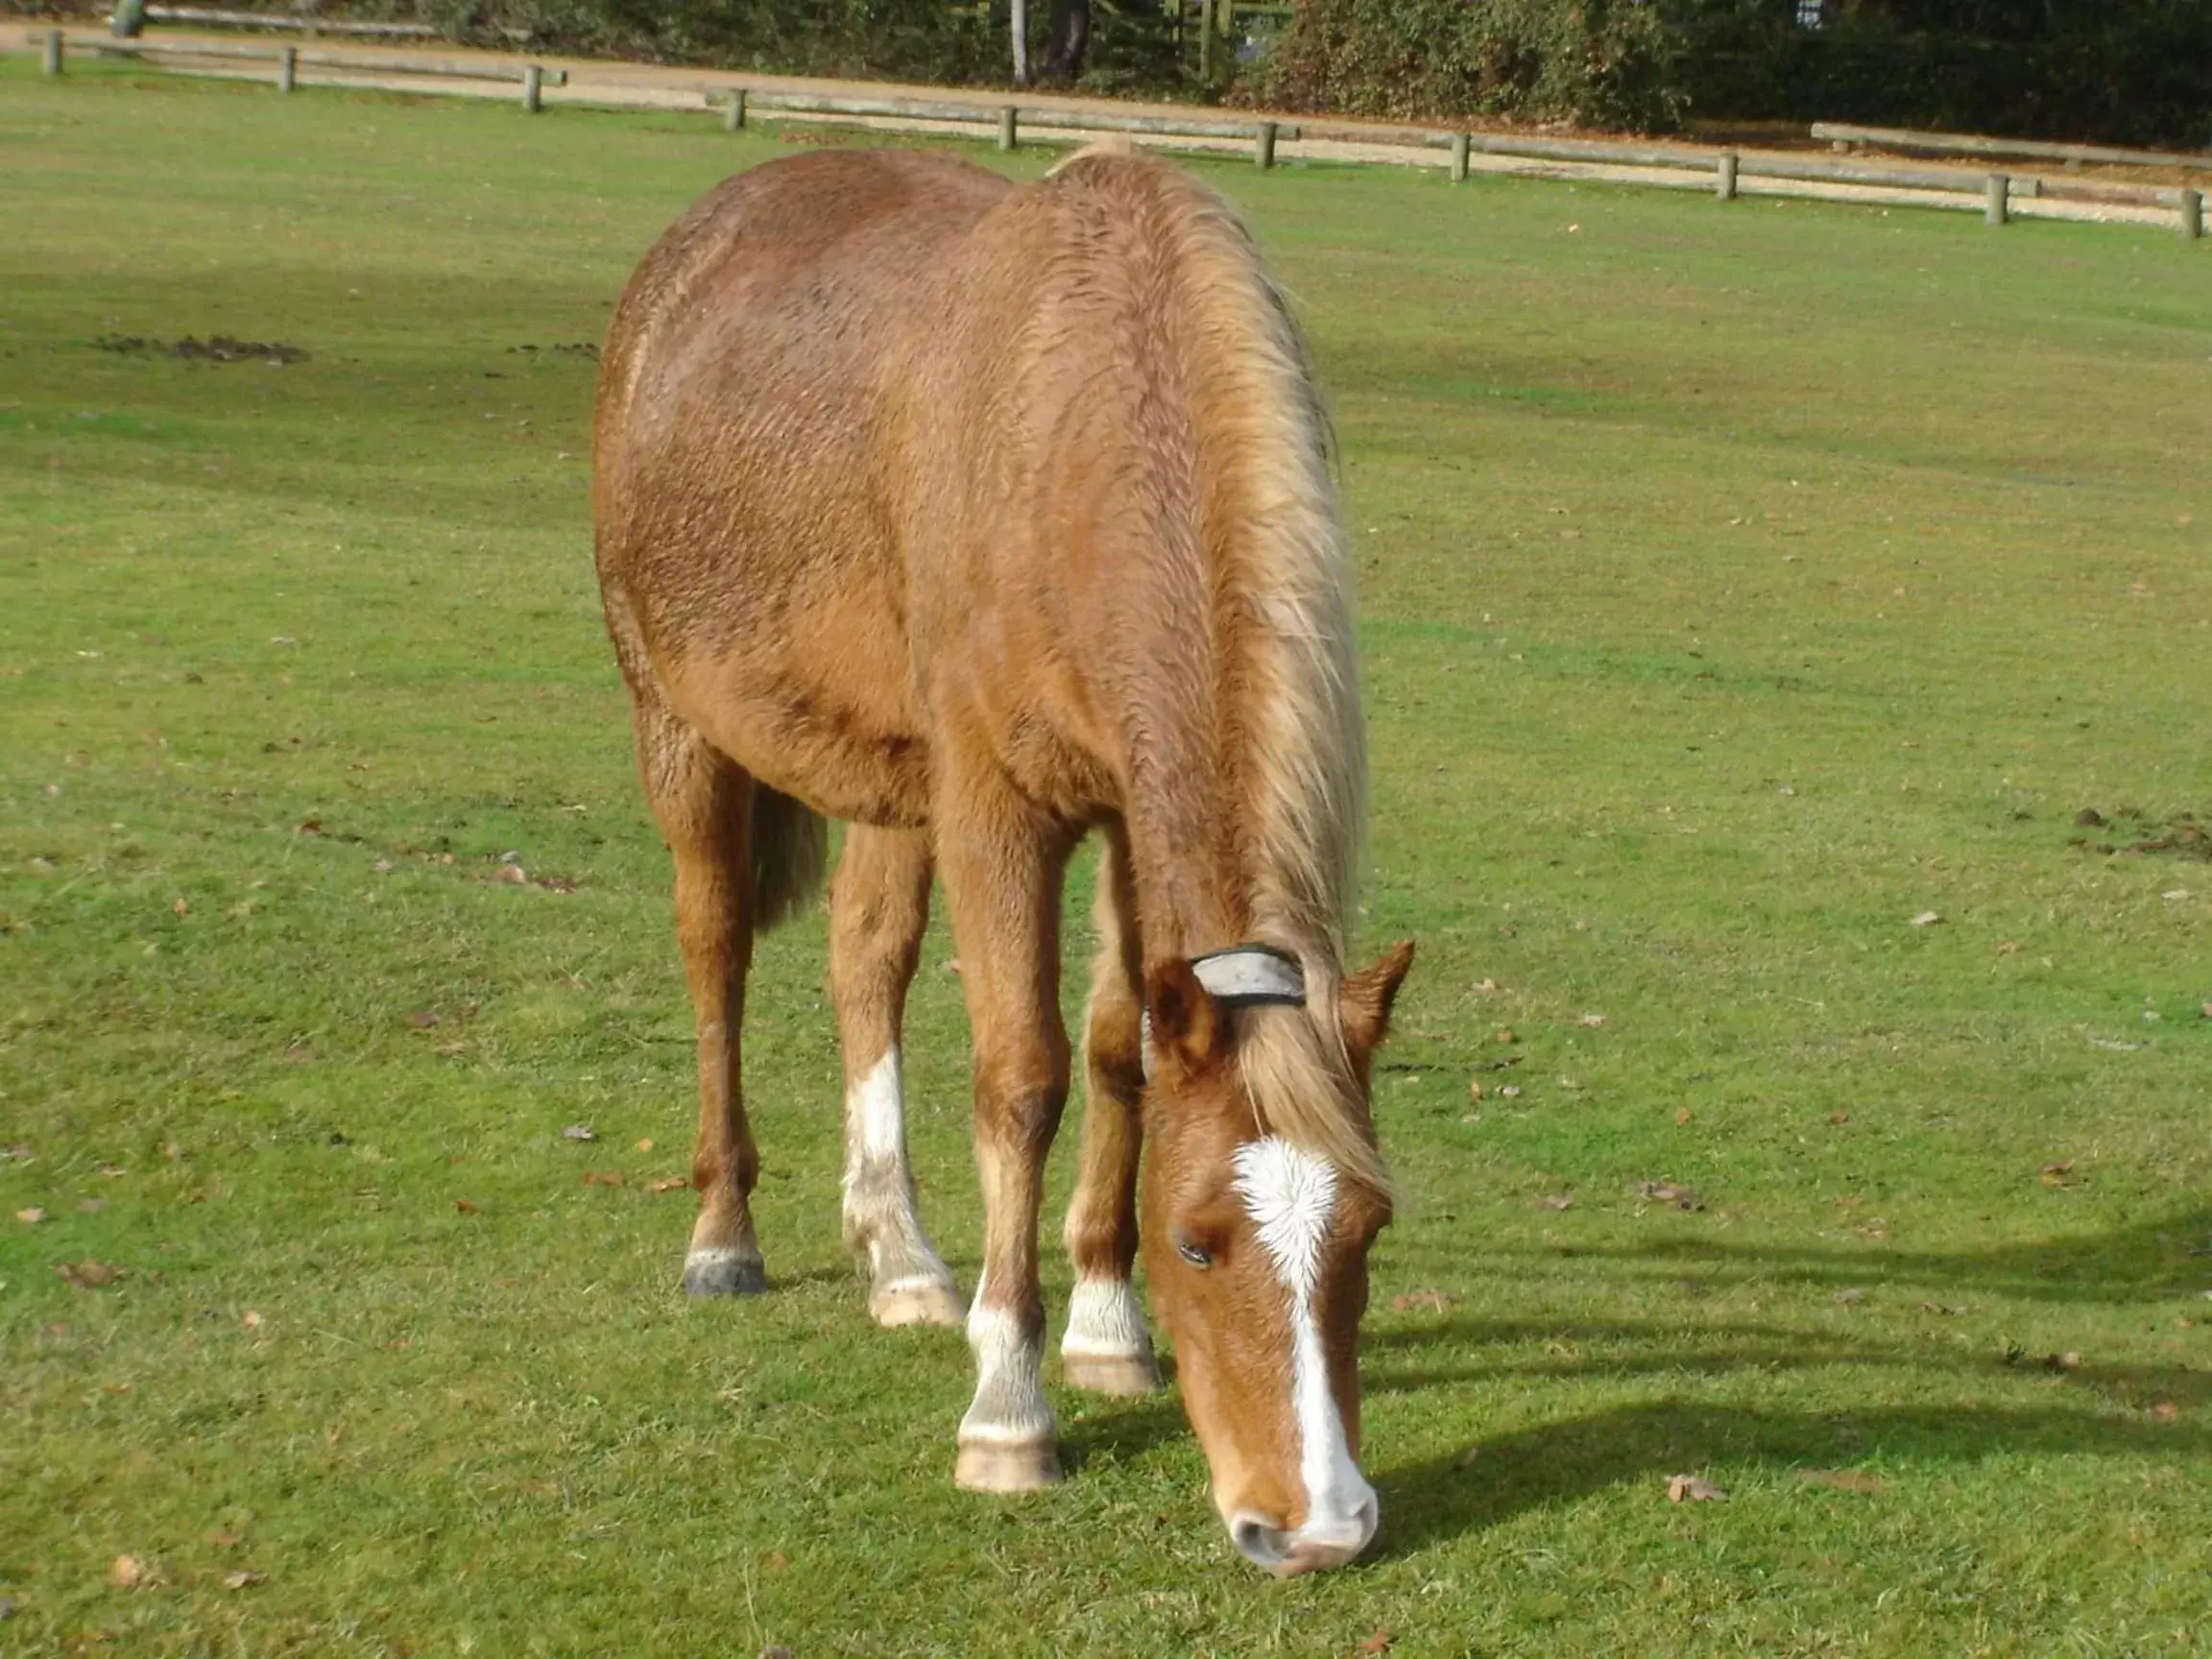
(1726, 173)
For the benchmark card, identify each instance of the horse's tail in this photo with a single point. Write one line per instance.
(790, 855)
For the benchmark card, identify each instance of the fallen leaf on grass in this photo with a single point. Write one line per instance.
(2009, 947)
(602, 1177)
(1378, 1643)
(1487, 988)
(1434, 1299)
(223, 1538)
(1506, 1036)
(579, 1132)
(242, 1579)
(88, 1274)
(1927, 919)
(129, 1572)
(2054, 1174)
(1511, 1092)
(513, 874)
(465, 1207)
(1850, 1298)
(2062, 1363)
(1668, 1193)
(423, 1020)
(32, 1217)
(1592, 1019)
(1682, 1115)
(646, 1144)
(776, 1561)
(669, 1184)
(1845, 1479)
(1839, 1118)
(1474, 1090)
(2166, 1411)
(1555, 1201)
(251, 1320)
(1949, 1312)
(1693, 1489)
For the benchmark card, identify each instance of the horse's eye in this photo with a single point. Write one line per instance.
(1192, 1254)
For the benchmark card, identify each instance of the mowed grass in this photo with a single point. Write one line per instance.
(1739, 585)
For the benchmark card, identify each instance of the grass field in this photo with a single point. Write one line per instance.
(1739, 583)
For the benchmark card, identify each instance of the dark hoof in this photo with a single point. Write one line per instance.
(723, 1273)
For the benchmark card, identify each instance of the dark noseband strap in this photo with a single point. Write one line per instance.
(1242, 976)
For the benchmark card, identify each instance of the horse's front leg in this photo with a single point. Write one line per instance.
(879, 908)
(1107, 1347)
(1002, 871)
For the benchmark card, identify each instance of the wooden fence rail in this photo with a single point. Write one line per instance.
(994, 114)
(2017, 149)
(344, 62)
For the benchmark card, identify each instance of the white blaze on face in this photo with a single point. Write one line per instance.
(1290, 1194)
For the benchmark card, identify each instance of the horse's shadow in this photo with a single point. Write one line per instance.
(1476, 1487)
(1553, 1462)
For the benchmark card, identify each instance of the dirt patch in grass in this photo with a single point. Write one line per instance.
(215, 349)
(2131, 829)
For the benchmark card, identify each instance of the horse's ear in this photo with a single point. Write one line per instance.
(1187, 1025)
(1365, 998)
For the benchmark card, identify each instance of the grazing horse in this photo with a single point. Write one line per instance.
(983, 517)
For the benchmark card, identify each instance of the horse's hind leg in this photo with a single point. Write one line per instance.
(879, 908)
(1106, 1347)
(704, 803)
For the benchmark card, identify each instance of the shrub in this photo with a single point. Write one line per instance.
(1597, 63)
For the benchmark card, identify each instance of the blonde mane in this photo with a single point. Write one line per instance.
(1286, 695)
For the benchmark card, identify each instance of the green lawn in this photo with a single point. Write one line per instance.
(1739, 583)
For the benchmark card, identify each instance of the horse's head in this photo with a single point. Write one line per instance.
(1256, 1244)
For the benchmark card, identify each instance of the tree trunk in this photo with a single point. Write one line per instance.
(1067, 40)
(1021, 32)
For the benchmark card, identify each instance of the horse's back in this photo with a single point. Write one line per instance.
(745, 501)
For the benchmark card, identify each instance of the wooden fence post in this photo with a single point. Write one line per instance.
(50, 61)
(1205, 40)
(1724, 176)
(533, 84)
(733, 117)
(1264, 147)
(288, 69)
(1009, 127)
(2192, 215)
(2000, 198)
(1460, 148)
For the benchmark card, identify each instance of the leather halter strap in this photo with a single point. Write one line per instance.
(1241, 977)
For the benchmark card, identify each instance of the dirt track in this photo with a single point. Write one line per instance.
(603, 83)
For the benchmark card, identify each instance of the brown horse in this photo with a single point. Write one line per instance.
(982, 516)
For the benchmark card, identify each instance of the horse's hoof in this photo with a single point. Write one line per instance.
(917, 1302)
(1007, 1465)
(1112, 1373)
(724, 1273)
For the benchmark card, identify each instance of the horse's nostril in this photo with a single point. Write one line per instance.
(1260, 1540)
